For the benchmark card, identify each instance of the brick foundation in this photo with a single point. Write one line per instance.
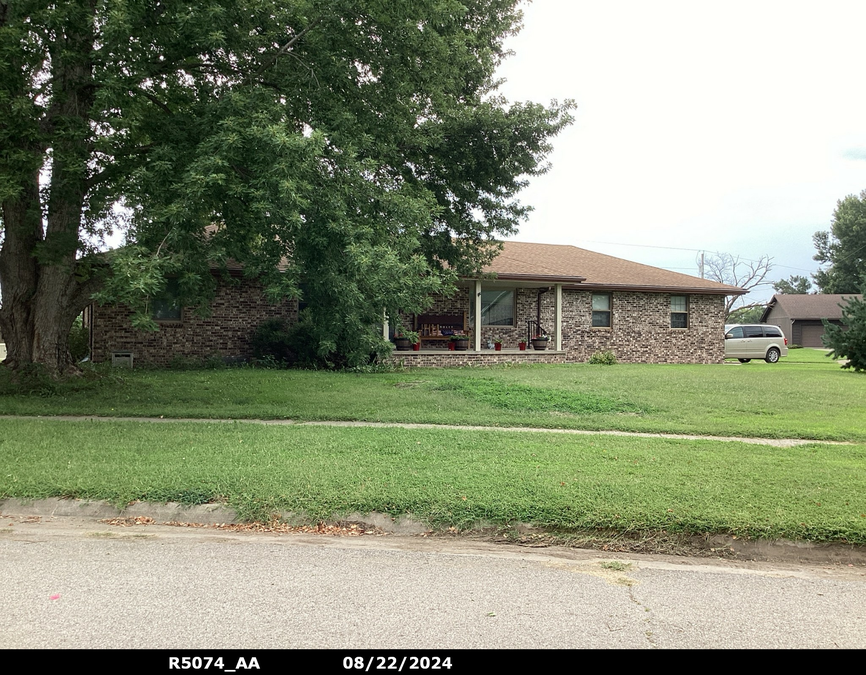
(439, 358)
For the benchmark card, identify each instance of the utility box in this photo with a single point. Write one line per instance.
(121, 359)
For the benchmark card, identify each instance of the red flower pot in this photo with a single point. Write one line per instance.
(497, 347)
(522, 346)
(450, 346)
(416, 347)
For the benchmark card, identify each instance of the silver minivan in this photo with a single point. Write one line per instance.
(755, 341)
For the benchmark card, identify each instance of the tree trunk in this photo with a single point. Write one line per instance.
(40, 300)
(40, 304)
(41, 292)
(19, 272)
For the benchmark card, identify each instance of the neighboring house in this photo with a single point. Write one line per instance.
(801, 316)
(585, 301)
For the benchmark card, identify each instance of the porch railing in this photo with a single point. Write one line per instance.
(534, 328)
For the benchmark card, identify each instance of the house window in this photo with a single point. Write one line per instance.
(303, 301)
(497, 308)
(166, 305)
(679, 311)
(601, 310)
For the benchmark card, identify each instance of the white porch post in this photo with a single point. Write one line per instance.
(558, 313)
(476, 328)
(384, 325)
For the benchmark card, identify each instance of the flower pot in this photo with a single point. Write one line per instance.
(461, 345)
(497, 347)
(416, 347)
(521, 346)
(450, 346)
(402, 344)
(539, 344)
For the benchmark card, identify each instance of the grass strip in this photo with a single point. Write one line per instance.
(812, 399)
(448, 478)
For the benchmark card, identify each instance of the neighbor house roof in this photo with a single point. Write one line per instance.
(576, 266)
(809, 307)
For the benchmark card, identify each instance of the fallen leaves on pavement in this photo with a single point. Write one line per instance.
(339, 530)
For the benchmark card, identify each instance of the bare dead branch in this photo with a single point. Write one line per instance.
(736, 271)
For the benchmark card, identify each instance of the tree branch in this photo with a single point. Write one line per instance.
(267, 64)
(82, 296)
(153, 99)
(113, 169)
(731, 270)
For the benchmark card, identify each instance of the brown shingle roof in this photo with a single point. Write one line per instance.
(572, 265)
(811, 307)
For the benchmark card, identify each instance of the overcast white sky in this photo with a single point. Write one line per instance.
(729, 127)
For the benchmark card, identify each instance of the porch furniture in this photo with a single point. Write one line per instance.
(440, 327)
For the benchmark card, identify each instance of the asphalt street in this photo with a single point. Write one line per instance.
(79, 583)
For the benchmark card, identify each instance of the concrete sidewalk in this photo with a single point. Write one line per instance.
(775, 442)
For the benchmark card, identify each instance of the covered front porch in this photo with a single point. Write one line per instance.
(491, 313)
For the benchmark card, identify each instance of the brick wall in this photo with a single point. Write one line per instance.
(237, 310)
(640, 329)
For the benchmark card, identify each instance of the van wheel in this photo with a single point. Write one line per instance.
(773, 355)
(744, 360)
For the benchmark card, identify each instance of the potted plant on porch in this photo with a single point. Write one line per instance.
(540, 341)
(460, 342)
(522, 345)
(497, 344)
(404, 340)
(415, 339)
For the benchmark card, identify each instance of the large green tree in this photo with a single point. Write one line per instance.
(353, 150)
(793, 285)
(843, 248)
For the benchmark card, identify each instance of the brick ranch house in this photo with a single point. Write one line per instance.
(585, 301)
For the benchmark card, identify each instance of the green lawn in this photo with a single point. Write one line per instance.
(804, 396)
(461, 477)
(448, 477)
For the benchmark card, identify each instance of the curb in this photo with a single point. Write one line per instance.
(718, 545)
